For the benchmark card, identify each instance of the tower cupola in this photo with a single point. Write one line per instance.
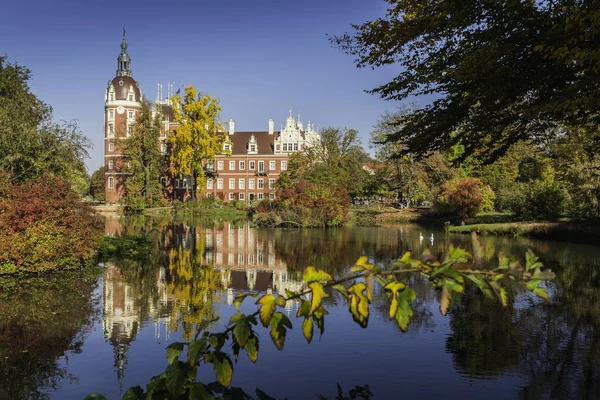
(124, 61)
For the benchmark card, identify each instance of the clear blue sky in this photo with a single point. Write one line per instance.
(259, 57)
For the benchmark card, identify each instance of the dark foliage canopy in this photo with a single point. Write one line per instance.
(501, 70)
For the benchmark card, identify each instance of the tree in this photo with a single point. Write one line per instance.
(97, 189)
(200, 135)
(30, 142)
(502, 71)
(336, 160)
(145, 163)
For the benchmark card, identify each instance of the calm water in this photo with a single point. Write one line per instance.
(68, 335)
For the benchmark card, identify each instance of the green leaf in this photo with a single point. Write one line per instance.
(280, 301)
(173, 351)
(452, 285)
(359, 304)
(341, 289)
(222, 365)
(404, 312)
(196, 350)
(239, 298)
(242, 329)
(541, 292)
(307, 329)
(279, 323)
(289, 293)
(133, 393)
(204, 324)
(304, 309)
(267, 308)
(252, 348)
(480, 282)
(317, 296)
(312, 275)
(503, 297)
(175, 377)
(198, 391)
(459, 255)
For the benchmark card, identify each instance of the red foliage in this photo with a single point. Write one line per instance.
(461, 197)
(44, 226)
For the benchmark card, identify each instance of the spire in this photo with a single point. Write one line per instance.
(124, 61)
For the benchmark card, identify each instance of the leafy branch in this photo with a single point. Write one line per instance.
(449, 275)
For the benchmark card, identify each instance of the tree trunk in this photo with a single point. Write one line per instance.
(193, 179)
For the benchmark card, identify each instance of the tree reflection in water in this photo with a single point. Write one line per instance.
(41, 319)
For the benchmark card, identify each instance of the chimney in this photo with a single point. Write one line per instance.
(231, 127)
(271, 126)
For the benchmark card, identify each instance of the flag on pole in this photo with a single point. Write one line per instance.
(178, 90)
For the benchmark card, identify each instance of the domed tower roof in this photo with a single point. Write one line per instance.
(122, 84)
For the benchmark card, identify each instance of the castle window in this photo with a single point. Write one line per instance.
(272, 165)
(251, 166)
(285, 147)
(260, 196)
(242, 165)
(271, 196)
(219, 183)
(250, 183)
(111, 130)
(261, 166)
(112, 96)
(111, 114)
(231, 165)
(232, 183)
(111, 182)
(209, 183)
(261, 183)
(129, 130)
(271, 183)
(111, 147)
(220, 165)
(231, 196)
(242, 197)
(111, 164)
(242, 183)
(130, 97)
(163, 148)
(130, 114)
(284, 165)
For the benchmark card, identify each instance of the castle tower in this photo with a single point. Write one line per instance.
(122, 102)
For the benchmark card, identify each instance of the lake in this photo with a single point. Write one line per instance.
(70, 334)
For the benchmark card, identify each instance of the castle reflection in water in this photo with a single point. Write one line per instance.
(239, 258)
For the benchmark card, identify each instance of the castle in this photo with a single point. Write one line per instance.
(256, 161)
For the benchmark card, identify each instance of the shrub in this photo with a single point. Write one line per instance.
(305, 204)
(45, 226)
(535, 200)
(460, 196)
(488, 198)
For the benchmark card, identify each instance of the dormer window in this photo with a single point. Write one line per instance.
(253, 148)
(130, 97)
(252, 145)
(226, 147)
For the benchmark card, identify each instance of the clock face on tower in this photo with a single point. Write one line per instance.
(120, 110)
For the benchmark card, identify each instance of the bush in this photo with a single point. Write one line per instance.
(535, 200)
(305, 204)
(45, 226)
(460, 196)
(488, 198)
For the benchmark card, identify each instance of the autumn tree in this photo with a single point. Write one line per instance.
(145, 162)
(500, 71)
(200, 135)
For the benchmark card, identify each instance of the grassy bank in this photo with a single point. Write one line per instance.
(579, 232)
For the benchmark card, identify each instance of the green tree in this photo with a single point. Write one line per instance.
(145, 163)
(30, 142)
(97, 189)
(200, 135)
(336, 160)
(502, 71)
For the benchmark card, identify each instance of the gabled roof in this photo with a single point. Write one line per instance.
(264, 141)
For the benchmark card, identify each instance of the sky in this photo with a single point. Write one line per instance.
(258, 57)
